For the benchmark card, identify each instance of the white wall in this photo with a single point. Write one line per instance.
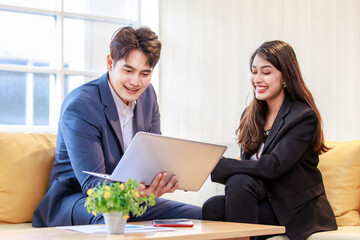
(204, 68)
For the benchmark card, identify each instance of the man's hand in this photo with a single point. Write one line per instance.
(158, 186)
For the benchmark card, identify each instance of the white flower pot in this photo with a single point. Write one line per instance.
(115, 223)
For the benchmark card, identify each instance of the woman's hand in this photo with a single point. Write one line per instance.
(158, 186)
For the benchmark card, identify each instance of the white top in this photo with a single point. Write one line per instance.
(257, 155)
(126, 116)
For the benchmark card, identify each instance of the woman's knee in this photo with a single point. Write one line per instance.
(213, 208)
(240, 179)
(242, 184)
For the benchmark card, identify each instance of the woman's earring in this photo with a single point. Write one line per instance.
(284, 85)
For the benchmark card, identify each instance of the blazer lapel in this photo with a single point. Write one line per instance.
(139, 117)
(142, 113)
(113, 118)
(110, 110)
(278, 122)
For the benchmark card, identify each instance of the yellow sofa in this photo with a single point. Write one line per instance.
(340, 168)
(26, 160)
(25, 165)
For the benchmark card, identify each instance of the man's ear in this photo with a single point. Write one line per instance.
(109, 62)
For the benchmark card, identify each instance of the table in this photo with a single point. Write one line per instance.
(202, 230)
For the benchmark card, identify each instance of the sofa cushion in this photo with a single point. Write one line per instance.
(18, 226)
(25, 165)
(340, 168)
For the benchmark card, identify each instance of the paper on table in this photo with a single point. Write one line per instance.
(102, 228)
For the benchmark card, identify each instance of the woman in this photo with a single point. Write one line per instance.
(277, 181)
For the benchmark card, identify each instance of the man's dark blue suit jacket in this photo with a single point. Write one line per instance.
(89, 138)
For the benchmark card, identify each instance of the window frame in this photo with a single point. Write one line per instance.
(59, 70)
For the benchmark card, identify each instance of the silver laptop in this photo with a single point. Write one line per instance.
(149, 154)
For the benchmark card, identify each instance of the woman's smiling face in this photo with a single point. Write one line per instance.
(267, 81)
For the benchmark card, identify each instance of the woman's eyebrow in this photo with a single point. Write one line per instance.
(265, 66)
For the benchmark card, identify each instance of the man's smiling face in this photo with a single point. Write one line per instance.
(129, 77)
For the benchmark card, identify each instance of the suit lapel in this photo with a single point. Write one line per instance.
(142, 112)
(139, 116)
(110, 110)
(278, 123)
(113, 118)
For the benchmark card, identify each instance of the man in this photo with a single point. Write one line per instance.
(97, 123)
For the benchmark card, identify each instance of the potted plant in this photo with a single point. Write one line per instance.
(115, 201)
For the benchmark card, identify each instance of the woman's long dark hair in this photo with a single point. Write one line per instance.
(251, 129)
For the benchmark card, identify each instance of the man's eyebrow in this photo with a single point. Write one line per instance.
(128, 66)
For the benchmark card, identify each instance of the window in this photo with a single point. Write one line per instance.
(49, 47)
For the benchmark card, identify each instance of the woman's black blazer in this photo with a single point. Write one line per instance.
(288, 169)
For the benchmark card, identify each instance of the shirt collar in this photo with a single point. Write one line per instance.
(119, 103)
